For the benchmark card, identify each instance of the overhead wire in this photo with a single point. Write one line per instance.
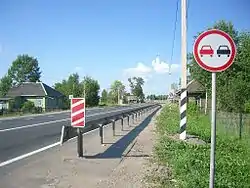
(174, 31)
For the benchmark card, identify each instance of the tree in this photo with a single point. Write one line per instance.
(73, 86)
(174, 86)
(233, 84)
(104, 97)
(136, 84)
(24, 69)
(5, 84)
(117, 88)
(92, 88)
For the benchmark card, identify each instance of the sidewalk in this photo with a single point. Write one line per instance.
(101, 166)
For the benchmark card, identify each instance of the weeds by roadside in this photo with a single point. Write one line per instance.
(189, 163)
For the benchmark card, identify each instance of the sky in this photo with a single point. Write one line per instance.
(109, 40)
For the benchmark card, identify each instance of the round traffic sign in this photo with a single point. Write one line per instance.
(214, 50)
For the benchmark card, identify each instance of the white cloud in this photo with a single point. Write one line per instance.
(140, 70)
(163, 67)
(78, 68)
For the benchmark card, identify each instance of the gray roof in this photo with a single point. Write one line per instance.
(193, 88)
(33, 89)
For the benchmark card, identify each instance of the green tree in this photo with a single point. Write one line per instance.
(117, 88)
(92, 88)
(24, 69)
(233, 84)
(5, 84)
(104, 96)
(136, 84)
(71, 86)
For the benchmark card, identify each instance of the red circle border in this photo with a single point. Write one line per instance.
(199, 61)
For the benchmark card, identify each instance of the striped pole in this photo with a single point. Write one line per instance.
(183, 105)
(183, 114)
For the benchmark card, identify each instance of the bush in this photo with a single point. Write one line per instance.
(190, 163)
(28, 106)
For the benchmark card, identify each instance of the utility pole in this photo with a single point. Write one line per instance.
(183, 101)
(84, 90)
(118, 96)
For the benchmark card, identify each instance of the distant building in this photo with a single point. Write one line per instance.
(132, 99)
(41, 94)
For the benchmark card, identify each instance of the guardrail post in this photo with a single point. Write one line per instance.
(62, 134)
(79, 143)
(128, 119)
(101, 132)
(122, 124)
(113, 127)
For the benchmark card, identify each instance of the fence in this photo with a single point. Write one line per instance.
(234, 124)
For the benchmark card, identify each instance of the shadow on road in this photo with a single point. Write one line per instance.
(116, 150)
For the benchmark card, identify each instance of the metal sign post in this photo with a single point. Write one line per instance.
(214, 51)
(213, 132)
(78, 121)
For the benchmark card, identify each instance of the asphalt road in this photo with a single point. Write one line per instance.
(42, 131)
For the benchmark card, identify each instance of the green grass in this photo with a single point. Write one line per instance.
(189, 163)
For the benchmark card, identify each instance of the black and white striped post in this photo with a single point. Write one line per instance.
(183, 114)
(183, 101)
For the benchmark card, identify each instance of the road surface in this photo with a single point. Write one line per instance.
(19, 136)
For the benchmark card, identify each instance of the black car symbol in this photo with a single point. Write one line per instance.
(223, 50)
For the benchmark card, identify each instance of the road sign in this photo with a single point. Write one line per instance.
(214, 50)
(78, 112)
(70, 96)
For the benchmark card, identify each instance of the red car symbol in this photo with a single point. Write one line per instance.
(206, 50)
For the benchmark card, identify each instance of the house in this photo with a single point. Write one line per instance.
(195, 92)
(132, 99)
(41, 94)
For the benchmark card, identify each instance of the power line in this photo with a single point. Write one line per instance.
(174, 31)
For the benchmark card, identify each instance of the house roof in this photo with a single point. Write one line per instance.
(33, 89)
(193, 88)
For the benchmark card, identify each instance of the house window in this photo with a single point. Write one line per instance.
(38, 103)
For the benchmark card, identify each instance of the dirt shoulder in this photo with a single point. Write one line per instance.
(135, 165)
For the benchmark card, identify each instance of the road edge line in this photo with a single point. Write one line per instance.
(28, 154)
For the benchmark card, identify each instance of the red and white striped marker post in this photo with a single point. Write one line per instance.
(78, 120)
(78, 112)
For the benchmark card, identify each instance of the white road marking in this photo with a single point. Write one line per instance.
(36, 151)
(28, 154)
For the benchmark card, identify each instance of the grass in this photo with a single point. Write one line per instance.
(189, 163)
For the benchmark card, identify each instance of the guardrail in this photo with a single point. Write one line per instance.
(101, 119)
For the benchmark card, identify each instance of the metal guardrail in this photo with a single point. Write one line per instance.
(99, 120)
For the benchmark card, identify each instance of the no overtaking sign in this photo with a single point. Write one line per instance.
(214, 50)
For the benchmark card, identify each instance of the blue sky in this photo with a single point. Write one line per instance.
(107, 40)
